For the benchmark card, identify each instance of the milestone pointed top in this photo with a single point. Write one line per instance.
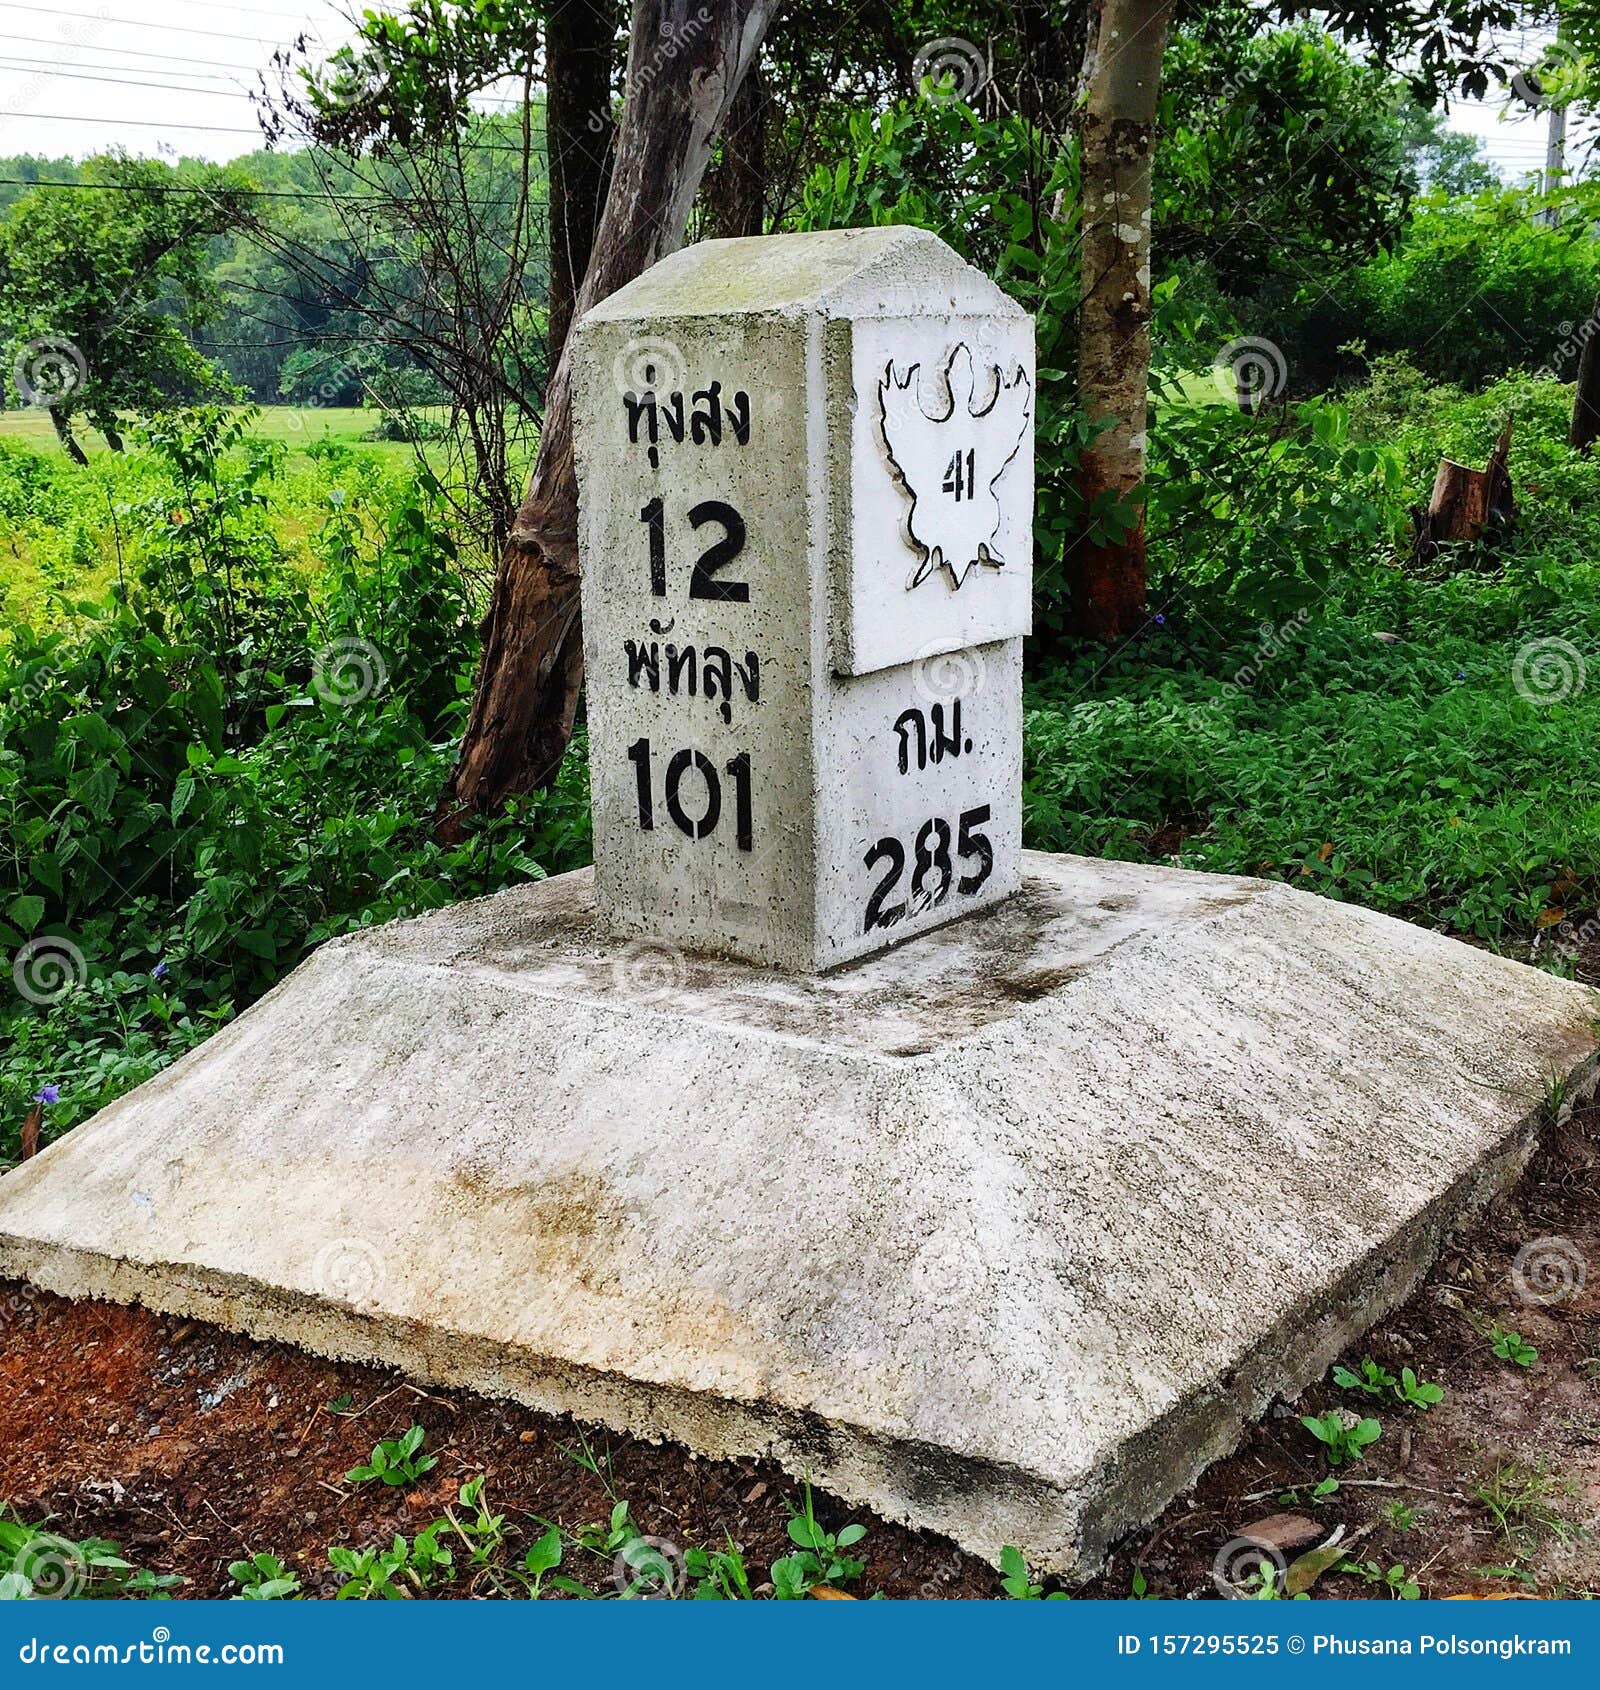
(837, 272)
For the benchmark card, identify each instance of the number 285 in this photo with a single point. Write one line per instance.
(932, 869)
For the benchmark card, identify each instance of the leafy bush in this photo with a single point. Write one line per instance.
(1473, 288)
(1259, 514)
(211, 769)
(1438, 773)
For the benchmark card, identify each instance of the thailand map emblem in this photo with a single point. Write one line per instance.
(950, 463)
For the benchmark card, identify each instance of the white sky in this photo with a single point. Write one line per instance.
(170, 77)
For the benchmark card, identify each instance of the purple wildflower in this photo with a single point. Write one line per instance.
(159, 972)
(47, 1094)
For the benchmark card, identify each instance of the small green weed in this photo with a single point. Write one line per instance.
(1019, 1586)
(1511, 1346)
(1418, 1393)
(39, 1564)
(1396, 1580)
(1372, 1381)
(395, 1461)
(1519, 1502)
(263, 1578)
(1344, 1438)
(819, 1558)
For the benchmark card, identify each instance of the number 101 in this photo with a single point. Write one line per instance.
(678, 765)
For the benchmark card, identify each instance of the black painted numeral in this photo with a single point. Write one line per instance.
(933, 869)
(701, 820)
(703, 583)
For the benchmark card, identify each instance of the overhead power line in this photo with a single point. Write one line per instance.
(536, 148)
(229, 93)
(309, 196)
(141, 23)
(76, 47)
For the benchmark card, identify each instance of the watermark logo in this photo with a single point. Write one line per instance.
(949, 68)
(1245, 1565)
(649, 969)
(349, 671)
(351, 1270)
(1549, 1270)
(937, 674)
(649, 1569)
(49, 370)
(53, 1567)
(648, 363)
(1250, 370)
(1548, 671)
(46, 969)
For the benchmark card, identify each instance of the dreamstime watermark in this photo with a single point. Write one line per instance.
(673, 39)
(646, 970)
(1531, 84)
(350, 1270)
(348, 78)
(938, 674)
(1574, 337)
(75, 34)
(1549, 1270)
(54, 1568)
(1243, 1566)
(649, 1569)
(949, 68)
(49, 369)
(649, 364)
(47, 968)
(1250, 370)
(1548, 671)
(349, 671)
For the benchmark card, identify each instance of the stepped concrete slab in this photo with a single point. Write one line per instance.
(1007, 1232)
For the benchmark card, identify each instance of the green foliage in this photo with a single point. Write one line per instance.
(1344, 1438)
(819, 1558)
(404, 1569)
(1260, 515)
(1511, 1346)
(1395, 1580)
(264, 1578)
(718, 1575)
(1418, 1393)
(214, 767)
(1282, 153)
(1472, 289)
(86, 282)
(395, 1461)
(1407, 772)
(1372, 1381)
(1376, 1381)
(40, 1564)
(1519, 1501)
(1017, 1583)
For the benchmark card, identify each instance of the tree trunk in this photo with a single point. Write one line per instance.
(683, 74)
(736, 190)
(1122, 80)
(1466, 503)
(580, 36)
(1586, 400)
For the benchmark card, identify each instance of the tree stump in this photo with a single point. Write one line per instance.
(1467, 503)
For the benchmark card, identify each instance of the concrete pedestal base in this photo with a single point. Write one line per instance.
(1007, 1233)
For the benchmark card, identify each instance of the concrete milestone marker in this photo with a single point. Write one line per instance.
(806, 477)
(1007, 1231)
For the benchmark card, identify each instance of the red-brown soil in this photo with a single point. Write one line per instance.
(192, 1446)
